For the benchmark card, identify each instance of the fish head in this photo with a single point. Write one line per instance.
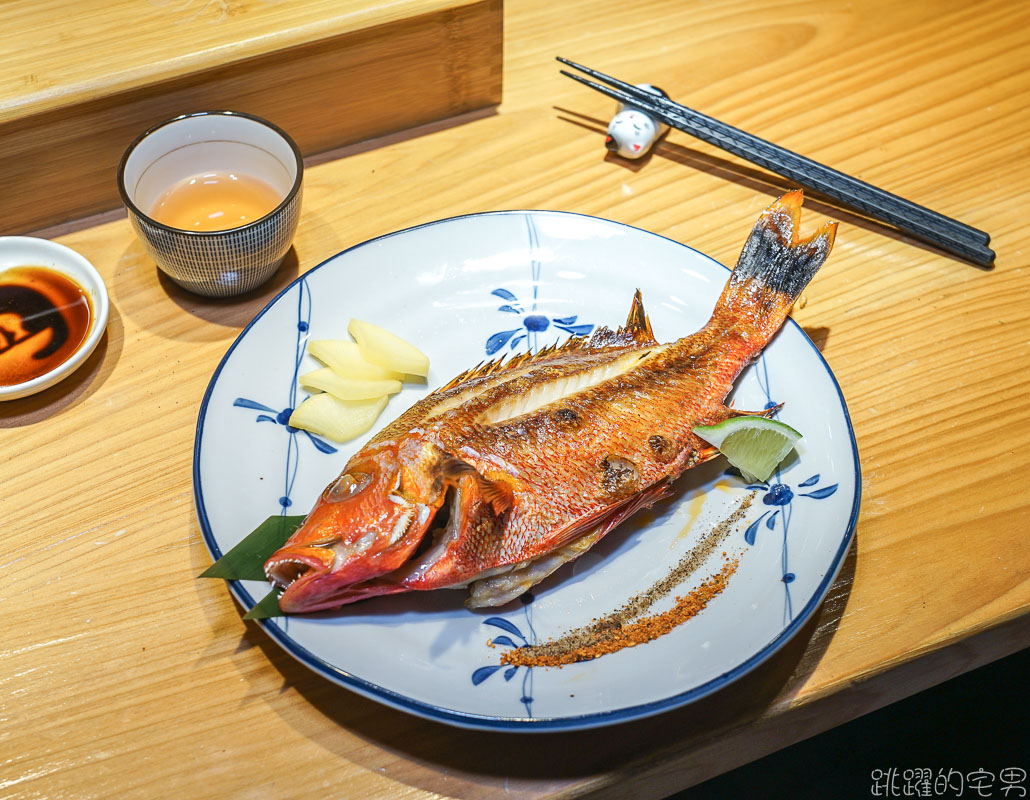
(363, 525)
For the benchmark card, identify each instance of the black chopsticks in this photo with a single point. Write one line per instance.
(916, 220)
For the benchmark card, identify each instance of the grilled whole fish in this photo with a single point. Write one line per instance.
(514, 468)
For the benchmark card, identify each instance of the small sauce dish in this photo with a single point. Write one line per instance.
(53, 311)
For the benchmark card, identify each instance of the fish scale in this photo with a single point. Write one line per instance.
(515, 468)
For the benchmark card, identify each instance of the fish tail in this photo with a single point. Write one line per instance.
(774, 268)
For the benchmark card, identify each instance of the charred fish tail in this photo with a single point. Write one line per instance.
(774, 268)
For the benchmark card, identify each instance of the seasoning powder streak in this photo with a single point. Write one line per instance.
(626, 627)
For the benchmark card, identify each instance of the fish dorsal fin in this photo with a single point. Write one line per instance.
(499, 366)
(637, 329)
(481, 369)
(637, 322)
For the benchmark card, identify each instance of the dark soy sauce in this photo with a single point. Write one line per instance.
(44, 319)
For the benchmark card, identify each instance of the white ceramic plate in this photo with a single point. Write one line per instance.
(491, 284)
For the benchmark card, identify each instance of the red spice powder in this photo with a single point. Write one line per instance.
(611, 635)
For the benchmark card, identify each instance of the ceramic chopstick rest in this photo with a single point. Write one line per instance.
(632, 132)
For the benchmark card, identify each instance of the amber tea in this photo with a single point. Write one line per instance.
(215, 201)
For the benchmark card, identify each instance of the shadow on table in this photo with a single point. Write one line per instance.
(752, 178)
(563, 756)
(74, 389)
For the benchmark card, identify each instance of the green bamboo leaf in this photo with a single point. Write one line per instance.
(246, 560)
(268, 607)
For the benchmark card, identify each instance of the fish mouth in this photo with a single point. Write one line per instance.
(284, 569)
(304, 562)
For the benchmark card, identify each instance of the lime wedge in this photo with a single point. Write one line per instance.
(754, 445)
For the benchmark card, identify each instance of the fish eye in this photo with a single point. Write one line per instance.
(347, 485)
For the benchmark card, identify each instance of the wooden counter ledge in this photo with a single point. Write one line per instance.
(82, 80)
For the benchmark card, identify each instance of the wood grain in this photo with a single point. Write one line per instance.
(122, 675)
(76, 91)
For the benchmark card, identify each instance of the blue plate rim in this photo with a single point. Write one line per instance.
(517, 724)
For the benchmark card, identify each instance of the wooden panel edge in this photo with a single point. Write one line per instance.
(407, 74)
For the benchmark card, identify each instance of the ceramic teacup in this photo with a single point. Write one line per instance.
(217, 263)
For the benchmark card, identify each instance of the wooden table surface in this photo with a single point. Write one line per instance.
(121, 675)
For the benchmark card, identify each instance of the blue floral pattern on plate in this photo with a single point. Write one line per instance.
(483, 673)
(780, 496)
(282, 416)
(533, 323)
